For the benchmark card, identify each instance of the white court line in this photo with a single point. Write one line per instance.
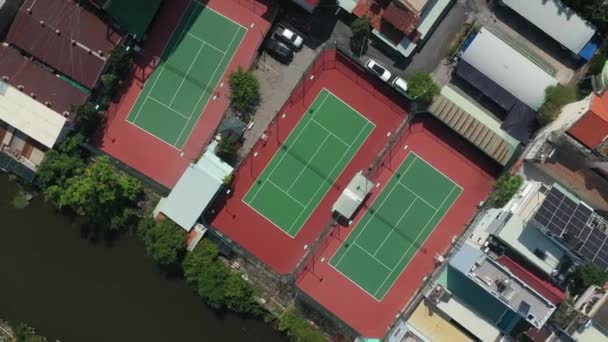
(331, 133)
(330, 173)
(396, 226)
(308, 163)
(153, 135)
(207, 87)
(205, 42)
(375, 211)
(164, 105)
(162, 67)
(218, 13)
(353, 109)
(436, 169)
(286, 151)
(416, 194)
(416, 240)
(198, 53)
(371, 256)
(285, 192)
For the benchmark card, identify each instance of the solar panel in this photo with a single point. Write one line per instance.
(575, 222)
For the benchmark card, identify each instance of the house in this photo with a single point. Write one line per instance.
(401, 25)
(65, 37)
(592, 323)
(27, 130)
(560, 23)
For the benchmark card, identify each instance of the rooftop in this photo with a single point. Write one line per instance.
(194, 191)
(431, 323)
(592, 128)
(51, 90)
(65, 36)
(506, 66)
(135, 16)
(503, 285)
(557, 20)
(29, 116)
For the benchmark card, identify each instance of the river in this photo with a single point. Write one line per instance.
(73, 290)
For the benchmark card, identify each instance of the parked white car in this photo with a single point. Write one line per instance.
(289, 37)
(378, 70)
(400, 84)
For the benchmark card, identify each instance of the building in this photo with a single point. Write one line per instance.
(513, 72)
(591, 129)
(27, 130)
(401, 25)
(65, 37)
(308, 5)
(560, 23)
(592, 323)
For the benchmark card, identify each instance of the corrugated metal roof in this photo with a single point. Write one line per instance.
(473, 124)
(557, 20)
(65, 36)
(29, 116)
(21, 71)
(194, 191)
(508, 68)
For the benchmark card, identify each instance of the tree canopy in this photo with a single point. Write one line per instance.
(360, 28)
(25, 333)
(215, 283)
(297, 328)
(421, 87)
(595, 11)
(505, 187)
(556, 97)
(244, 92)
(88, 119)
(106, 197)
(585, 276)
(164, 241)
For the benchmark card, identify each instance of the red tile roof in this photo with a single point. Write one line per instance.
(58, 93)
(545, 288)
(592, 128)
(47, 30)
(392, 21)
(401, 18)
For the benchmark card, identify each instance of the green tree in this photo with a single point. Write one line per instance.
(555, 98)
(104, 196)
(120, 62)
(421, 87)
(360, 28)
(25, 333)
(215, 284)
(88, 119)
(59, 165)
(165, 241)
(297, 328)
(505, 187)
(227, 149)
(109, 84)
(585, 276)
(244, 92)
(595, 11)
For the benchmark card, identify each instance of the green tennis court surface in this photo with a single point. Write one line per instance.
(395, 226)
(308, 163)
(190, 68)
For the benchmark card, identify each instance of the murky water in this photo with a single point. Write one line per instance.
(73, 290)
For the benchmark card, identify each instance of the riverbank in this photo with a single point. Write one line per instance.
(74, 290)
(6, 332)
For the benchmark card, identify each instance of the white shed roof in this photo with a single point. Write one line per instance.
(508, 68)
(30, 116)
(354, 194)
(555, 19)
(194, 191)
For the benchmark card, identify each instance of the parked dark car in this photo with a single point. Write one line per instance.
(279, 50)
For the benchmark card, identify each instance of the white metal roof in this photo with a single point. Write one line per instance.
(354, 194)
(194, 191)
(508, 68)
(555, 19)
(30, 116)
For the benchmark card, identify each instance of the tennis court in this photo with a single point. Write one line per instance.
(395, 226)
(190, 68)
(308, 163)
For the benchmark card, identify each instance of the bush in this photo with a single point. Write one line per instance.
(227, 149)
(585, 276)
(25, 333)
(298, 329)
(165, 241)
(555, 98)
(244, 92)
(421, 87)
(119, 62)
(215, 284)
(505, 187)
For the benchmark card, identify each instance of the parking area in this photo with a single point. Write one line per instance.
(277, 80)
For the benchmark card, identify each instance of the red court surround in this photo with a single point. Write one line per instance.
(144, 152)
